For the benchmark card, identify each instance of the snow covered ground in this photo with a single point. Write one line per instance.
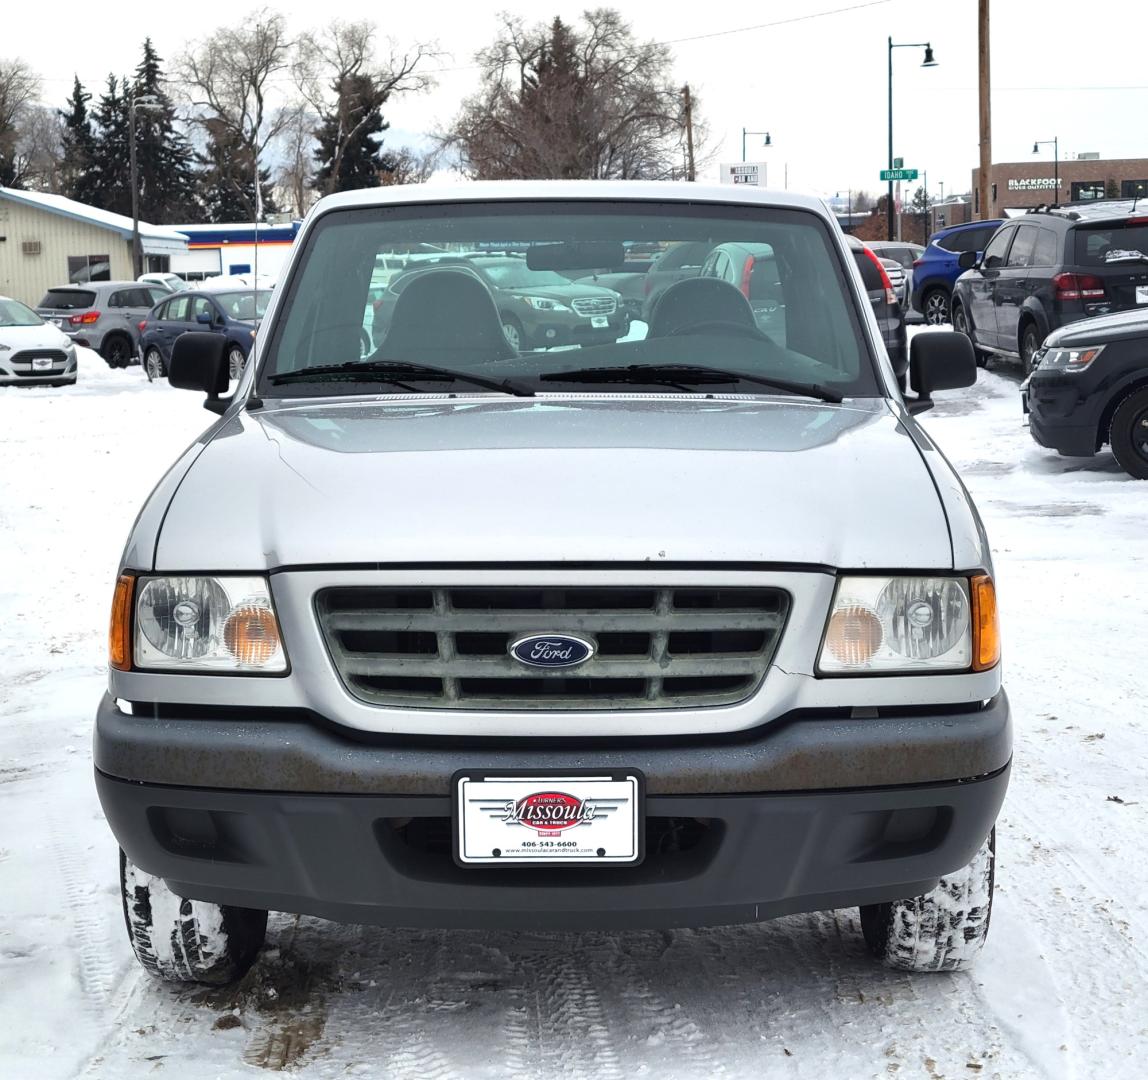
(1059, 991)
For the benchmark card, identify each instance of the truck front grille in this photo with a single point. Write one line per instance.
(655, 648)
(596, 306)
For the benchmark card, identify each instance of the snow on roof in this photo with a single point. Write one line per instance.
(165, 238)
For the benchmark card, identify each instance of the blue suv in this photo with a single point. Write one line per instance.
(935, 272)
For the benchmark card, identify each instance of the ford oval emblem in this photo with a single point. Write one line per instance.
(551, 650)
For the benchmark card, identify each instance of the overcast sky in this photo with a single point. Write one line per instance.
(817, 85)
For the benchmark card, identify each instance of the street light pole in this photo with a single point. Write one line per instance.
(928, 62)
(768, 140)
(146, 102)
(1055, 140)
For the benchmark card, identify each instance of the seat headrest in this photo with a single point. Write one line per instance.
(698, 300)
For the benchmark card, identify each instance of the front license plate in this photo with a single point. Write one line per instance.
(580, 819)
(1142, 294)
(41, 363)
(599, 322)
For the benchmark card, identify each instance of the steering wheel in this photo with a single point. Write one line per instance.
(719, 326)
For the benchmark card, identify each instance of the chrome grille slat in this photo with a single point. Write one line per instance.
(595, 306)
(448, 648)
(528, 621)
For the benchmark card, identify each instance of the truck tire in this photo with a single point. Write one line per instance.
(187, 941)
(1128, 434)
(945, 929)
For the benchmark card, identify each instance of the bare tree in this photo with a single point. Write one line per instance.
(19, 88)
(408, 166)
(227, 79)
(580, 102)
(40, 148)
(295, 175)
(339, 78)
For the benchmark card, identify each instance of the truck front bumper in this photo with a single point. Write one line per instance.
(732, 834)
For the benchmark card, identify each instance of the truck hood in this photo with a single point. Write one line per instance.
(558, 478)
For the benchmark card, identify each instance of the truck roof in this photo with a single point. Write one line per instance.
(495, 190)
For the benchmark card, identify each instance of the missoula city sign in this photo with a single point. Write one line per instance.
(1032, 183)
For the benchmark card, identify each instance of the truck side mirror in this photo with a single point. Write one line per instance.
(199, 362)
(941, 360)
(967, 260)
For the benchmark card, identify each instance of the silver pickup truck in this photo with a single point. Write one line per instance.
(691, 628)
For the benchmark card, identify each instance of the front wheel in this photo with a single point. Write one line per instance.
(513, 332)
(1129, 434)
(935, 306)
(187, 941)
(235, 362)
(945, 929)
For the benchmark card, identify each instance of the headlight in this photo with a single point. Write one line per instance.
(904, 625)
(1070, 360)
(542, 303)
(224, 624)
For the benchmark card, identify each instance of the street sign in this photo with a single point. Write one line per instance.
(751, 173)
(898, 163)
(898, 174)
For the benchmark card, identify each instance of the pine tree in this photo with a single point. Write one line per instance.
(165, 161)
(225, 185)
(109, 181)
(79, 144)
(358, 111)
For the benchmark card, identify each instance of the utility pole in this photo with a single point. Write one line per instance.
(985, 109)
(689, 111)
(137, 261)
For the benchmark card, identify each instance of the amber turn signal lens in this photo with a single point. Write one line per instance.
(120, 630)
(986, 626)
(854, 634)
(251, 634)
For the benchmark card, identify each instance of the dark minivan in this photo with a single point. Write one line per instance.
(1051, 267)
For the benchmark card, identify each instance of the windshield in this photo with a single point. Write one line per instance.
(788, 315)
(13, 313)
(243, 305)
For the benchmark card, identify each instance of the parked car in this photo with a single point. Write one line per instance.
(752, 270)
(904, 255)
(1089, 388)
(102, 315)
(232, 315)
(693, 629)
(539, 309)
(896, 278)
(677, 262)
(171, 282)
(629, 283)
(936, 271)
(32, 350)
(883, 298)
(1048, 268)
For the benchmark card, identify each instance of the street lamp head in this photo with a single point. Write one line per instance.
(1036, 148)
(768, 140)
(929, 60)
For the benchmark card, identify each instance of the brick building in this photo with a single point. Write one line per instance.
(1016, 185)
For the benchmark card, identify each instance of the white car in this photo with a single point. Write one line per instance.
(171, 282)
(32, 350)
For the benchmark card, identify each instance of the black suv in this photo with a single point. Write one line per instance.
(883, 298)
(1051, 267)
(1090, 387)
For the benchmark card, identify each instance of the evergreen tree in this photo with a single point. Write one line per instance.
(350, 153)
(109, 180)
(165, 161)
(226, 186)
(79, 146)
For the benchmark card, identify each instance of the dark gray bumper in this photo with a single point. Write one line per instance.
(261, 750)
(709, 859)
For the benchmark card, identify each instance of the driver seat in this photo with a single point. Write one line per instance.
(446, 318)
(699, 300)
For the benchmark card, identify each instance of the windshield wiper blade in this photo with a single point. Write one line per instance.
(686, 374)
(392, 371)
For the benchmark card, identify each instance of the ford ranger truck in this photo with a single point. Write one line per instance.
(695, 627)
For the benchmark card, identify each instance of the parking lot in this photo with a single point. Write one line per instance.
(1057, 993)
